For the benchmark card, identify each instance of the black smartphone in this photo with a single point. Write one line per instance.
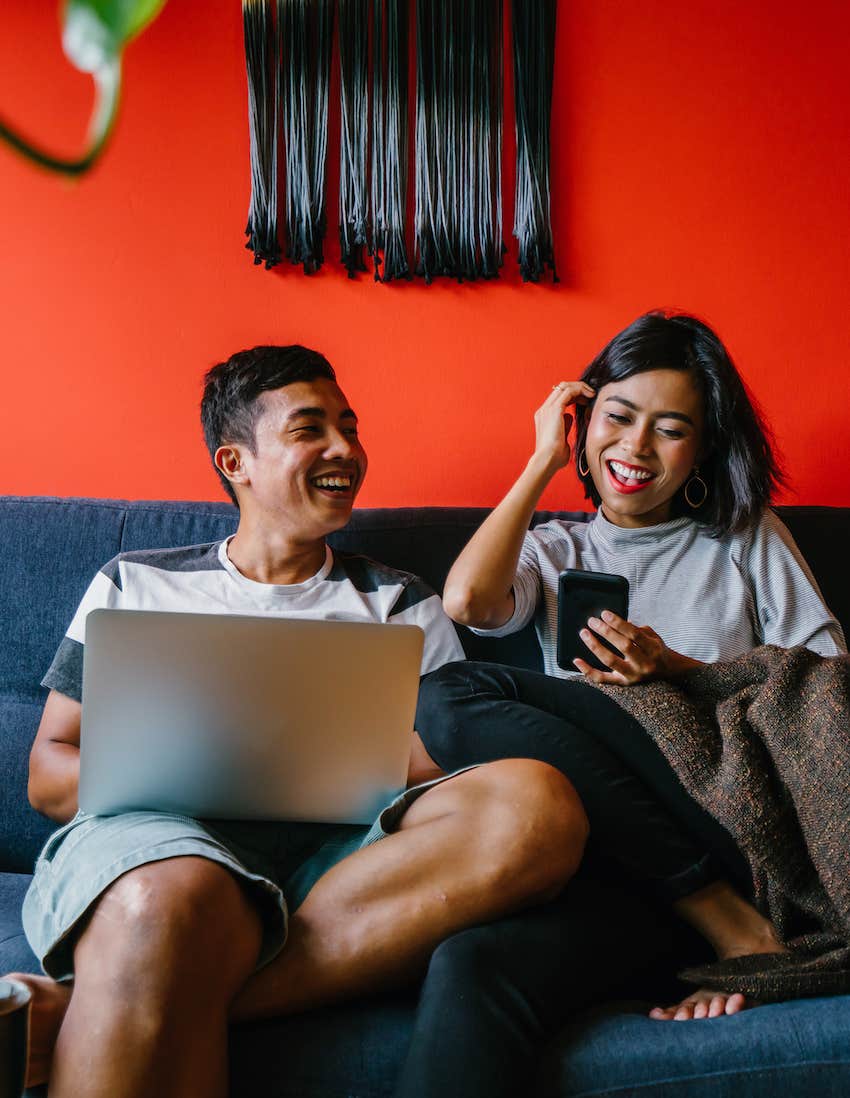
(582, 595)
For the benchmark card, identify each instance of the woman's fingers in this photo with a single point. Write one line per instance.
(638, 651)
(612, 678)
(570, 392)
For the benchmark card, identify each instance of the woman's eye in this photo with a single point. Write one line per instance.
(350, 431)
(617, 418)
(669, 432)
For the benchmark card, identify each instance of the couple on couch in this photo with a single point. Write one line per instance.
(156, 931)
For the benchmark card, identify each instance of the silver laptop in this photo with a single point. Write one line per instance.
(233, 717)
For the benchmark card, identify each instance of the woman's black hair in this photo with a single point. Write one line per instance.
(738, 464)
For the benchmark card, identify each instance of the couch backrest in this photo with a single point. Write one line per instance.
(53, 547)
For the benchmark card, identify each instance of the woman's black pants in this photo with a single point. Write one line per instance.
(492, 994)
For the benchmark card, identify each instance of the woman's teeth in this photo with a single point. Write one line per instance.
(628, 474)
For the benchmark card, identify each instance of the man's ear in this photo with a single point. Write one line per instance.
(228, 461)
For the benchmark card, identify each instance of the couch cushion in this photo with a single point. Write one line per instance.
(798, 1048)
(22, 829)
(823, 534)
(15, 953)
(51, 550)
(355, 1051)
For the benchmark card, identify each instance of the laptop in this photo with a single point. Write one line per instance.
(230, 717)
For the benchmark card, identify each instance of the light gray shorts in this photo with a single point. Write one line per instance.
(277, 863)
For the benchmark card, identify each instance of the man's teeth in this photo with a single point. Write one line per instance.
(624, 472)
(332, 482)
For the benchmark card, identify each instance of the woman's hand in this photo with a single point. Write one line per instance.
(552, 422)
(644, 654)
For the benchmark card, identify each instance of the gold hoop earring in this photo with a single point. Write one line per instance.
(585, 471)
(696, 478)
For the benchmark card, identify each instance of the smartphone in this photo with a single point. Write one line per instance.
(582, 595)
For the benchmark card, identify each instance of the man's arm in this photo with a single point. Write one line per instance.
(55, 759)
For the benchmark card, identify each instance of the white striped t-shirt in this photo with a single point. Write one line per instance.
(201, 579)
(708, 598)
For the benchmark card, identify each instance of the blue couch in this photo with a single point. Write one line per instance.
(52, 547)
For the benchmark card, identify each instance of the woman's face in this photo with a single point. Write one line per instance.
(643, 440)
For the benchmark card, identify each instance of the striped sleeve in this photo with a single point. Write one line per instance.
(789, 605)
(65, 673)
(418, 604)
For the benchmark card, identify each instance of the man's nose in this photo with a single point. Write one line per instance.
(340, 445)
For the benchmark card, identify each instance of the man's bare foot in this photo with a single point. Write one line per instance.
(49, 1003)
(702, 1004)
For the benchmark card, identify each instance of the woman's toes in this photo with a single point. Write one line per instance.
(736, 1003)
(702, 1004)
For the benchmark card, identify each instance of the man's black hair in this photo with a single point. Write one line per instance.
(738, 463)
(230, 406)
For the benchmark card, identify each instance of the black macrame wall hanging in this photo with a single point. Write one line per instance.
(456, 223)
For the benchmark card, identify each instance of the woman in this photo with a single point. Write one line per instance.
(672, 452)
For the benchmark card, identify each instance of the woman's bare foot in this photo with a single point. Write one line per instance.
(702, 1004)
(49, 1003)
(735, 929)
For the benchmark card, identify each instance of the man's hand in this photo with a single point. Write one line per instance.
(643, 654)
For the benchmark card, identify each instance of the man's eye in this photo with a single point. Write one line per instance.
(308, 429)
(350, 431)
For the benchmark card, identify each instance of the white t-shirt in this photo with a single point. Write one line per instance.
(708, 598)
(201, 579)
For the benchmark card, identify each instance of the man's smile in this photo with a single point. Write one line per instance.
(335, 484)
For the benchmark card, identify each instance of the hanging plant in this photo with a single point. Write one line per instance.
(94, 34)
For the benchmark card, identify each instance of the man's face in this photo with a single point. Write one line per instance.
(307, 463)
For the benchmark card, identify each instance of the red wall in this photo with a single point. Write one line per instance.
(700, 163)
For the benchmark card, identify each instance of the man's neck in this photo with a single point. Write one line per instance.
(275, 558)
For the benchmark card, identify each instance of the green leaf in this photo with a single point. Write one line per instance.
(96, 31)
(94, 35)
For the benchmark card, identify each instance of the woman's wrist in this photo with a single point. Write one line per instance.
(540, 469)
(675, 664)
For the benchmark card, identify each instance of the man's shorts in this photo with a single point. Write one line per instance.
(276, 862)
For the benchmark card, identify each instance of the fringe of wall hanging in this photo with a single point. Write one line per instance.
(458, 218)
(307, 32)
(261, 24)
(388, 190)
(534, 68)
(354, 130)
(457, 226)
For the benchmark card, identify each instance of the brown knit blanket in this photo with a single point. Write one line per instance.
(763, 744)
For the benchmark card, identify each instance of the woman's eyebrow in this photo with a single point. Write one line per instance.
(658, 415)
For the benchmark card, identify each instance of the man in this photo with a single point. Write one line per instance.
(157, 930)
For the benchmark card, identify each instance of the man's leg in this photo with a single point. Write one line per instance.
(485, 843)
(156, 966)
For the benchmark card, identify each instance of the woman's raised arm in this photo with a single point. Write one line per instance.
(479, 587)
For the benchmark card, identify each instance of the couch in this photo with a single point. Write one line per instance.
(50, 550)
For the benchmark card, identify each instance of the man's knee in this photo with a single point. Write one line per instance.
(535, 825)
(178, 912)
